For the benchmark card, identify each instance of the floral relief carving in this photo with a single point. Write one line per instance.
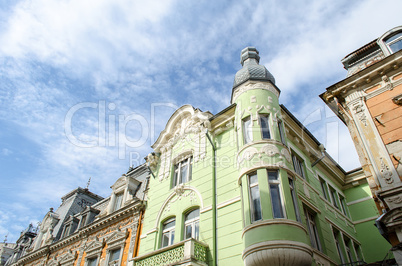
(270, 150)
(395, 200)
(386, 172)
(239, 90)
(286, 154)
(359, 111)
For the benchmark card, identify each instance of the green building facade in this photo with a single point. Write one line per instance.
(251, 186)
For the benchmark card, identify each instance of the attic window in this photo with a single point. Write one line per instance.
(394, 42)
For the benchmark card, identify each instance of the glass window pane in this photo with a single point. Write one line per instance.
(197, 230)
(188, 231)
(114, 255)
(175, 178)
(172, 237)
(256, 204)
(265, 127)
(193, 214)
(169, 224)
(247, 130)
(272, 176)
(92, 262)
(191, 168)
(276, 201)
(395, 47)
(253, 179)
(282, 135)
(183, 174)
(165, 240)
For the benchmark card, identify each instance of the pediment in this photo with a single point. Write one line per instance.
(49, 221)
(184, 120)
(52, 262)
(68, 257)
(124, 181)
(115, 237)
(94, 246)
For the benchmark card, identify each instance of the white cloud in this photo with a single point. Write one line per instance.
(56, 54)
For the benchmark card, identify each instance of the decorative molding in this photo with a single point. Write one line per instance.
(365, 220)
(177, 192)
(228, 202)
(254, 86)
(271, 222)
(359, 200)
(278, 252)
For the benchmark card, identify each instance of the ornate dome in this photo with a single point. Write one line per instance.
(251, 70)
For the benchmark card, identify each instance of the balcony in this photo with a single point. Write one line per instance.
(187, 252)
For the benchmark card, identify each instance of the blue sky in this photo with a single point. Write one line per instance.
(79, 79)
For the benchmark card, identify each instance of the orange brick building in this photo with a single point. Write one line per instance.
(369, 102)
(87, 230)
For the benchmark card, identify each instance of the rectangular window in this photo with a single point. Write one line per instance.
(114, 257)
(312, 229)
(324, 188)
(247, 130)
(338, 246)
(265, 133)
(66, 230)
(334, 197)
(348, 250)
(294, 199)
(83, 220)
(281, 131)
(343, 205)
(168, 232)
(298, 165)
(117, 202)
(92, 262)
(274, 190)
(359, 257)
(255, 202)
(182, 172)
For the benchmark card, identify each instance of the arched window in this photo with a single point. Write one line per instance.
(168, 232)
(191, 224)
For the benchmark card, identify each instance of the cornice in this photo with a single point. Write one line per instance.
(85, 231)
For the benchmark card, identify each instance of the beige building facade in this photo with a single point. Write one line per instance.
(369, 102)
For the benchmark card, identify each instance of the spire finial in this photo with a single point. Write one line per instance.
(89, 182)
(249, 52)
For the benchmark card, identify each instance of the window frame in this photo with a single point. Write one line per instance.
(110, 253)
(334, 196)
(393, 41)
(247, 126)
(194, 223)
(281, 128)
(324, 187)
(264, 118)
(93, 258)
(312, 229)
(338, 246)
(344, 206)
(169, 232)
(293, 194)
(251, 200)
(275, 185)
(118, 201)
(298, 165)
(177, 171)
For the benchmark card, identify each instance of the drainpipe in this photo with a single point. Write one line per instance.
(214, 210)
